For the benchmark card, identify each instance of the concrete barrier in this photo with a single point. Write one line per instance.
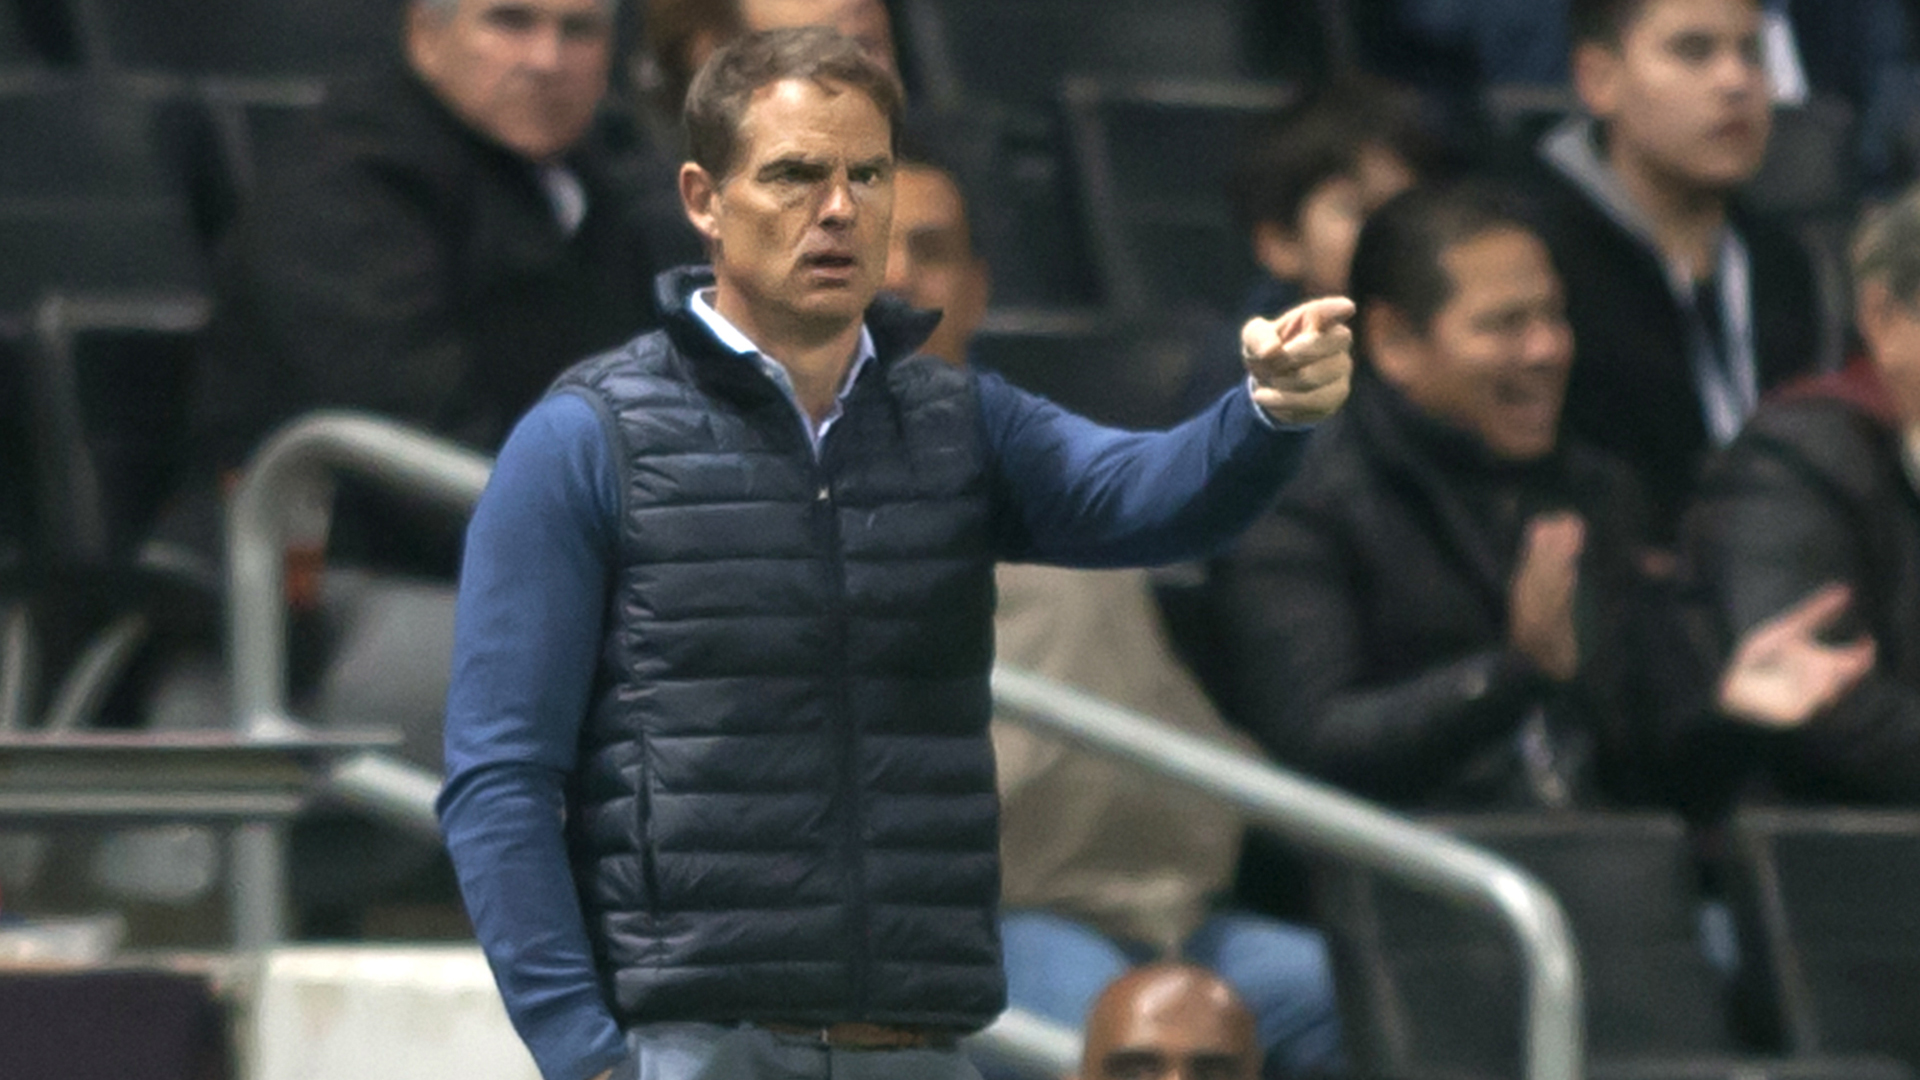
(377, 1013)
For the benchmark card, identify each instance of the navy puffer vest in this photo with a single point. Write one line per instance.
(785, 808)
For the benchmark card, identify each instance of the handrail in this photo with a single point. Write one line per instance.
(305, 452)
(1312, 814)
(1318, 816)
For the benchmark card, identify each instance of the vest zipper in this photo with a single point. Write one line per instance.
(853, 796)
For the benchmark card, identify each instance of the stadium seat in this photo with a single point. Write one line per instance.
(1125, 373)
(1016, 52)
(1838, 926)
(1153, 159)
(1431, 990)
(237, 39)
(88, 200)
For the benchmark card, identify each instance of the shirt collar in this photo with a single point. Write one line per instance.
(735, 339)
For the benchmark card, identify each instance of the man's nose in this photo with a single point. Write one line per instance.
(543, 49)
(899, 276)
(837, 206)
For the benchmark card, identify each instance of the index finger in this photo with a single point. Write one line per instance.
(1317, 316)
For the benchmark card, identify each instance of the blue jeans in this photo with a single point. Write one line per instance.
(692, 1051)
(1057, 966)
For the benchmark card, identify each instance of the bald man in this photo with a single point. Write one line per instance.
(1170, 1022)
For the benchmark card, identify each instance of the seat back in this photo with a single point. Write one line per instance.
(1431, 989)
(1838, 925)
(88, 200)
(240, 39)
(1127, 374)
(1153, 158)
(1016, 52)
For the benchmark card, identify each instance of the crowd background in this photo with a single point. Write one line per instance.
(1104, 149)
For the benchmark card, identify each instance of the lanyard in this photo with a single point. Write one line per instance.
(1729, 383)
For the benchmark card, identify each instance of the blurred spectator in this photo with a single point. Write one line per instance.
(1684, 307)
(1860, 52)
(1820, 491)
(441, 245)
(1446, 609)
(1169, 1020)
(1102, 866)
(679, 36)
(1301, 185)
(865, 21)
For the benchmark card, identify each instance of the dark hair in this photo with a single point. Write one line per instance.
(717, 102)
(1397, 258)
(1603, 22)
(672, 29)
(1320, 137)
(1600, 22)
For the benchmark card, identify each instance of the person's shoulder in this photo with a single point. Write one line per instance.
(1821, 432)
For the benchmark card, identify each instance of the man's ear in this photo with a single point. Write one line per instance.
(1278, 249)
(1596, 78)
(1392, 345)
(698, 193)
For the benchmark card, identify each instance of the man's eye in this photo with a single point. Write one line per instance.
(512, 19)
(583, 28)
(1693, 48)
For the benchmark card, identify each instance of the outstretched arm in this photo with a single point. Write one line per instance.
(1085, 495)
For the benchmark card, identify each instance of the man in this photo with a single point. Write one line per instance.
(865, 21)
(1169, 1022)
(1446, 609)
(437, 247)
(1103, 866)
(718, 763)
(1817, 496)
(1685, 307)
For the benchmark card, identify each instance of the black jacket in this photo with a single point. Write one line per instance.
(1367, 619)
(397, 261)
(785, 808)
(1632, 395)
(1815, 491)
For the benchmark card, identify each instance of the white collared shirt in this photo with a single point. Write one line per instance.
(732, 337)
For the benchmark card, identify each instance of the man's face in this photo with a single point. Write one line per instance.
(798, 229)
(1891, 328)
(1495, 358)
(865, 21)
(1172, 1037)
(1332, 213)
(1684, 96)
(527, 74)
(930, 258)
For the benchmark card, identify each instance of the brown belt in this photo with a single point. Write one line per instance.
(855, 1035)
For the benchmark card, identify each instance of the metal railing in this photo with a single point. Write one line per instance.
(1311, 814)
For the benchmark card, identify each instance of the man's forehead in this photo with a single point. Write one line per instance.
(541, 7)
(1666, 17)
(814, 116)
